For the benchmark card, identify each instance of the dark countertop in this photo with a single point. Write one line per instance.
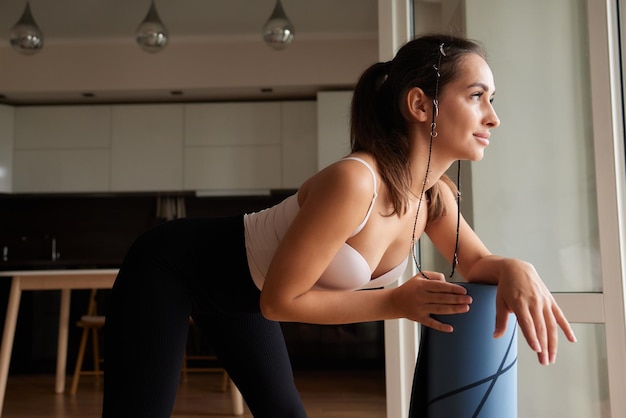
(60, 264)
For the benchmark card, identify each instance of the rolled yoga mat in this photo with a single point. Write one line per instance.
(467, 373)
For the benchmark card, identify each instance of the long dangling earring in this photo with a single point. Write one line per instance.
(433, 134)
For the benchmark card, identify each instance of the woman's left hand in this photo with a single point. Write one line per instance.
(522, 292)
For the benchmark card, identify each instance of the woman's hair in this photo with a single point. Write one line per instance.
(378, 123)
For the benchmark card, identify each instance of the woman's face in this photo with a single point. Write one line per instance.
(466, 114)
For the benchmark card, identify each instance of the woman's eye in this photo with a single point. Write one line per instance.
(476, 96)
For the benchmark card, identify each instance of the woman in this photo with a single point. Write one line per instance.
(351, 226)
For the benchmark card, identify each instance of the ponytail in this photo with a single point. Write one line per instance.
(371, 130)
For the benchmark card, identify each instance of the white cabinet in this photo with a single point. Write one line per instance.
(58, 170)
(249, 146)
(62, 149)
(238, 147)
(6, 148)
(299, 142)
(232, 168)
(232, 146)
(62, 127)
(147, 148)
(333, 129)
(232, 124)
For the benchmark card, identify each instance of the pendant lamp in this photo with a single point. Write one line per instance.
(26, 37)
(278, 31)
(152, 35)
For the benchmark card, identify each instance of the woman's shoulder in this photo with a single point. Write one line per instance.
(338, 198)
(349, 177)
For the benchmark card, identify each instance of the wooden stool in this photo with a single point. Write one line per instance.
(206, 357)
(91, 322)
(236, 398)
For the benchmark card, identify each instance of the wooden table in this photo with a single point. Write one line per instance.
(65, 281)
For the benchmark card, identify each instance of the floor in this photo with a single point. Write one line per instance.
(325, 394)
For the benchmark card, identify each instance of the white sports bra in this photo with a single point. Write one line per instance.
(347, 271)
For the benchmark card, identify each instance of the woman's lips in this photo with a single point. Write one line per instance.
(483, 138)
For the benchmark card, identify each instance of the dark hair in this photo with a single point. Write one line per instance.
(378, 124)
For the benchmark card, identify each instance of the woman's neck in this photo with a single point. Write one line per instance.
(426, 167)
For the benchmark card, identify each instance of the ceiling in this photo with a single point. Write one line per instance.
(111, 21)
(83, 20)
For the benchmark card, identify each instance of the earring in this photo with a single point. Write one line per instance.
(433, 133)
(433, 125)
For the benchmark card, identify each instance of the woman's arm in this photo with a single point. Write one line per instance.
(520, 289)
(333, 204)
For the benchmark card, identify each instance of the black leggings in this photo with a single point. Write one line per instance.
(194, 267)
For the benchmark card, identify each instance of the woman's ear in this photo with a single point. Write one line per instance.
(417, 105)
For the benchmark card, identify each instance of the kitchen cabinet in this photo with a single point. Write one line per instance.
(299, 142)
(240, 124)
(232, 168)
(232, 146)
(45, 171)
(147, 148)
(249, 146)
(62, 149)
(240, 147)
(333, 129)
(6, 148)
(62, 127)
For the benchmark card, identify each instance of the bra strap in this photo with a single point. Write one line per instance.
(369, 211)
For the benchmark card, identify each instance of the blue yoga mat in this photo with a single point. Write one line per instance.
(467, 373)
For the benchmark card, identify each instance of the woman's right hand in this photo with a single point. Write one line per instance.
(419, 298)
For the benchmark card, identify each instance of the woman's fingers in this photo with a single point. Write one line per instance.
(541, 331)
(553, 337)
(431, 322)
(502, 318)
(527, 326)
(443, 298)
(437, 283)
(432, 275)
(564, 324)
(423, 298)
(555, 320)
(539, 322)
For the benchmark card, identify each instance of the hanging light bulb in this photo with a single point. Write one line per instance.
(152, 35)
(26, 37)
(278, 31)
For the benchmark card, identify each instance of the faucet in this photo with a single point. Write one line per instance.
(55, 254)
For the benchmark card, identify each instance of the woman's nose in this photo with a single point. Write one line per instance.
(492, 118)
